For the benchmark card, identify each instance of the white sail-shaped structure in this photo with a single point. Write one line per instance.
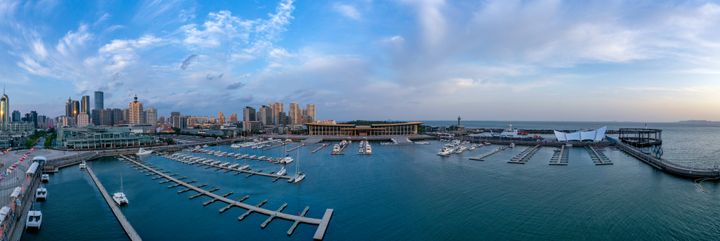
(586, 135)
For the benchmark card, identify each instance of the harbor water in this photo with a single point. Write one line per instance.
(400, 193)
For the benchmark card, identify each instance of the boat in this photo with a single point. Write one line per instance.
(422, 143)
(365, 148)
(119, 197)
(45, 178)
(446, 151)
(34, 220)
(281, 172)
(142, 152)
(286, 160)
(512, 145)
(41, 193)
(338, 148)
(83, 165)
(299, 176)
(236, 145)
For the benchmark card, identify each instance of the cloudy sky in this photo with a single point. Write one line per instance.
(365, 59)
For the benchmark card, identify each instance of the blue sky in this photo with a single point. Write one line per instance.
(369, 59)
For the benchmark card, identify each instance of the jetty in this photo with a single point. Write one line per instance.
(210, 163)
(525, 155)
(322, 223)
(129, 230)
(560, 157)
(598, 157)
(486, 155)
(294, 148)
(320, 147)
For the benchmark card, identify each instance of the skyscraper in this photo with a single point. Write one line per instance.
(85, 105)
(248, 114)
(310, 113)
(233, 118)
(99, 100)
(175, 119)
(118, 116)
(83, 120)
(135, 112)
(33, 118)
(295, 114)
(265, 115)
(74, 108)
(277, 107)
(221, 118)
(151, 116)
(4, 109)
(16, 116)
(68, 107)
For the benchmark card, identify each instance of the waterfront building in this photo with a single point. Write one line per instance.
(135, 110)
(283, 119)
(265, 115)
(151, 116)
(221, 118)
(4, 108)
(295, 114)
(196, 121)
(251, 126)
(175, 119)
(248, 114)
(183, 122)
(16, 116)
(310, 115)
(404, 128)
(586, 135)
(101, 138)
(85, 105)
(83, 120)
(118, 116)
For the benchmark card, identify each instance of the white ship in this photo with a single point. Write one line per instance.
(119, 197)
(281, 172)
(34, 219)
(83, 165)
(41, 193)
(446, 151)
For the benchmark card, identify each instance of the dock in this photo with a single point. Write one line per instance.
(560, 157)
(525, 155)
(320, 147)
(129, 230)
(225, 166)
(322, 222)
(294, 148)
(598, 157)
(486, 155)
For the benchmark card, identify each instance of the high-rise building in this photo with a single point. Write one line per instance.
(295, 114)
(118, 116)
(277, 107)
(221, 118)
(151, 116)
(75, 108)
(96, 116)
(233, 118)
(99, 100)
(16, 116)
(175, 119)
(106, 117)
(33, 118)
(310, 115)
(85, 105)
(248, 114)
(68, 107)
(4, 109)
(135, 110)
(83, 120)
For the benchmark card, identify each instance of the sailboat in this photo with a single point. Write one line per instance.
(119, 197)
(299, 176)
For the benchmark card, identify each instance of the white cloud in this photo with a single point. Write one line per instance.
(347, 10)
(73, 40)
(220, 28)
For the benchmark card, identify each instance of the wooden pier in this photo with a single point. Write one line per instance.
(525, 155)
(560, 157)
(483, 156)
(322, 222)
(129, 230)
(598, 157)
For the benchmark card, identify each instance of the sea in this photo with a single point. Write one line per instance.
(408, 192)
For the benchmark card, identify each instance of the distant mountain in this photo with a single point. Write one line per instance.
(699, 122)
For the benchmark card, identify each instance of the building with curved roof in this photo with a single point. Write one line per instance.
(586, 135)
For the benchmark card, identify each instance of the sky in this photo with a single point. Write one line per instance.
(368, 59)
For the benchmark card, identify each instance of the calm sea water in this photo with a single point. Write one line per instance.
(405, 193)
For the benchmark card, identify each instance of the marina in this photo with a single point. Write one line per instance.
(525, 155)
(129, 230)
(486, 155)
(560, 157)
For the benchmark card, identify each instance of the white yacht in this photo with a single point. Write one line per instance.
(281, 172)
(142, 152)
(34, 219)
(236, 145)
(446, 151)
(365, 148)
(119, 197)
(286, 160)
(299, 176)
(45, 178)
(83, 165)
(41, 193)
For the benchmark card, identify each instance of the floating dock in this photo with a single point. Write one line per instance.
(294, 148)
(525, 155)
(598, 157)
(486, 155)
(322, 222)
(229, 167)
(560, 157)
(129, 230)
(320, 147)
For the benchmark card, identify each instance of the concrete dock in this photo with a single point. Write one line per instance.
(322, 223)
(483, 156)
(560, 157)
(598, 157)
(219, 165)
(525, 155)
(129, 230)
(320, 147)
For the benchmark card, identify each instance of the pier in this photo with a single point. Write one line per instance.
(226, 166)
(322, 222)
(486, 155)
(665, 165)
(294, 148)
(598, 157)
(525, 155)
(129, 230)
(560, 157)
(320, 147)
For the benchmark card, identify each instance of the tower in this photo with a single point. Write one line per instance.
(135, 112)
(4, 108)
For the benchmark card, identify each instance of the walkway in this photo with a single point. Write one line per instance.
(129, 230)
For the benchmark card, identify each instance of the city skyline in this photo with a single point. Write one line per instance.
(589, 61)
